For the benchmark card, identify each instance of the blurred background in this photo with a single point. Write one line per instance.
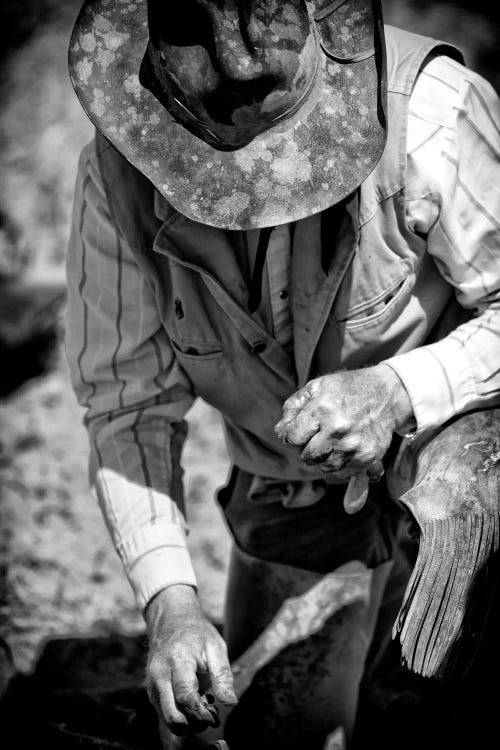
(58, 572)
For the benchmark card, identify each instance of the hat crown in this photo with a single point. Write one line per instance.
(228, 70)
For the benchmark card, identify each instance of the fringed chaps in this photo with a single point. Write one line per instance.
(455, 500)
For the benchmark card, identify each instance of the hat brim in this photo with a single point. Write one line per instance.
(294, 170)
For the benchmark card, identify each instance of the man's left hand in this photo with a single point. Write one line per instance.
(344, 422)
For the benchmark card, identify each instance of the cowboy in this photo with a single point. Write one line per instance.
(289, 210)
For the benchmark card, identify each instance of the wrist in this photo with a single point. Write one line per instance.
(404, 418)
(177, 600)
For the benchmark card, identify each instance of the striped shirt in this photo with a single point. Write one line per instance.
(126, 375)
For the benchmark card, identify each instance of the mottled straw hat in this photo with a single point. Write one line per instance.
(242, 113)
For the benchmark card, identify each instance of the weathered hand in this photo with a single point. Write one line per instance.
(344, 422)
(184, 646)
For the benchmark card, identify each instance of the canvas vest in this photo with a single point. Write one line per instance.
(352, 302)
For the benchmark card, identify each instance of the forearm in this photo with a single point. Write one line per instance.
(459, 373)
(136, 474)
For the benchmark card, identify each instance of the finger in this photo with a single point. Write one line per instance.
(318, 448)
(213, 711)
(187, 696)
(162, 697)
(345, 453)
(221, 676)
(294, 405)
(337, 460)
(207, 698)
(299, 430)
(376, 471)
(297, 401)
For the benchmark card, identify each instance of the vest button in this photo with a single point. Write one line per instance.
(259, 347)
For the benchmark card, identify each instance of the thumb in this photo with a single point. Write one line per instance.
(221, 676)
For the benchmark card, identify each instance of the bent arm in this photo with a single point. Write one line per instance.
(462, 225)
(126, 377)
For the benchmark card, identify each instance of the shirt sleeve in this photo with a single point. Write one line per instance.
(135, 395)
(454, 173)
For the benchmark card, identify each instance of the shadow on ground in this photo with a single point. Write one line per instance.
(88, 692)
(83, 693)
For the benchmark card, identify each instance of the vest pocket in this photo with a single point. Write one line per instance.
(196, 351)
(205, 365)
(376, 309)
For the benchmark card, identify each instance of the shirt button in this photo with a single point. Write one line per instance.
(258, 347)
(284, 294)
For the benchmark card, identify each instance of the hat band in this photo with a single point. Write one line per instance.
(359, 57)
(278, 118)
(320, 15)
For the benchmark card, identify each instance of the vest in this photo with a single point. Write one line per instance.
(350, 301)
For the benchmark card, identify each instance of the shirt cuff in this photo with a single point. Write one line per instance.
(157, 557)
(439, 382)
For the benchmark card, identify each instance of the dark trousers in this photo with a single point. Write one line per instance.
(349, 668)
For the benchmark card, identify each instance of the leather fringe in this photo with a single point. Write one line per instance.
(449, 594)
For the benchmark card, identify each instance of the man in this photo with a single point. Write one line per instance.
(294, 218)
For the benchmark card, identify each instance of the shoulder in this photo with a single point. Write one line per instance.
(87, 163)
(90, 189)
(407, 53)
(129, 194)
(453, 127)
(445, 90)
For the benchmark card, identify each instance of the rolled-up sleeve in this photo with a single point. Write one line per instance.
(134, 394)
(460, 217)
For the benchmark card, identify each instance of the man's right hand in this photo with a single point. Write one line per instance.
(184, 644)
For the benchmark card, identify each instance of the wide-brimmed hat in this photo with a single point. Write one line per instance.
(242, 113)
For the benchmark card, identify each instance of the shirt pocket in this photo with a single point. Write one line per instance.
(378, 308)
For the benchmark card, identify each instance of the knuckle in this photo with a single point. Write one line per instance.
(157, 669)
(365, 456)
(341, 425)
(221, 651)
(372, 451)
(223, 673)
(349, 445)
(183, 695)
(176, 651)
